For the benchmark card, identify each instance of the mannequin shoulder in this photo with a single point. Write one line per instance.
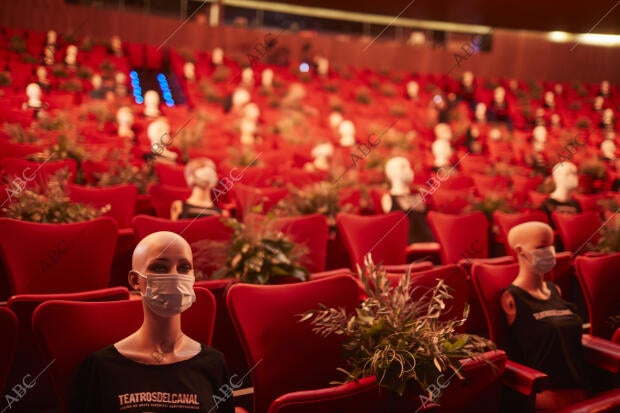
(386, 202)
(509, 307)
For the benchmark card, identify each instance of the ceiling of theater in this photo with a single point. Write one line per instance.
(571, 15)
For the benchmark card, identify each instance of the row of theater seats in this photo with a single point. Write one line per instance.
(291, 366)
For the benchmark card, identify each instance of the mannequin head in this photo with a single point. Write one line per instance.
(239, 98)
(533, 244)
(443, 131)
(201, 173)
(608, 116)
(248, 129)
(321, 154)
(468, 79)
(158, 254)
(549, 99)
(52, 36)
(96, 81)
(124, 116)
(158, 133)
(71, 57)
(267, 78)
(605, 87)
(513, 85)
(247, 76)
(480, 112)
(335, 119)
(499, 94)
(120, 78)
(558, 89)
(556, 121)
(565, 176)
(608, 149)
(151, 104)
(495, 134)
(347, 133)
(398, 170)
(251, 112)
(322, 66)
(413, 89)
(33, 91)
(189, 71)
(598, 103)
(42, 74)
(48, 56)
(218, 56)
(117, 45)
(540, 134)
(296, 92)
(442, 152)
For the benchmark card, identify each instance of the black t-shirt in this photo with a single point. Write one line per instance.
(108, 382)
(419, 231)
(546, 335)
(194, 211)
(569, 207)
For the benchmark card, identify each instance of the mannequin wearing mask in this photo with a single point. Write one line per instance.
(157, 364)
(544, 330)
(201, 176)
(566, 181)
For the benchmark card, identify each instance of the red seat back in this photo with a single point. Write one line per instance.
(100, 324)
(490, 281)
(9, 328)
(505, 221)
(284, 355)
(36, 173)
(577, 230)
(310, 231)
(162, 197)
(248, 198)
(170, 175)
(58, 258)
(27, 358)
(598, 277)
(463, 236)
(122, 200)
(196, 232)
(384, 236)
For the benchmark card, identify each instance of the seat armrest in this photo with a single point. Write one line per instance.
(608, 401)
(523, 379)
(601, 353)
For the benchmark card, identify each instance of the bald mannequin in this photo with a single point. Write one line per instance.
(523, 239)
(160, 253)
(533, 244)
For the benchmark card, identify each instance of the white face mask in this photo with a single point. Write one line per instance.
(543, 259)
(168, 295)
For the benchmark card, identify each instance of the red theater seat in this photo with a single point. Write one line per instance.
(99, 325)
(461, 237)
(57, 258)
(311, 232)
(577, 231)
(9, 328)
(121, 198)
(162, 197)
(506, 221)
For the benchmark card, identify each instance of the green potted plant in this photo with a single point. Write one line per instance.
(399, 340)
(50, 204)
(258, 254)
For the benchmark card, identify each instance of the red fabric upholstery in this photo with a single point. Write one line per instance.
(606, 402)
(57, 258)
(162, 197)
(101, 324)
(589, 202)
(122, 200)
(9, 328)
(385, 236)
(577, 230)
(248, 198)
(285, 355)
(460, 237)
(225, 337)
(506, 221)
(170, 175)
(36, 173)
(601, 353)
(197, 232)
(310, 231)
(362, 396)
(27, 358)
(598, 277)
(616, 337)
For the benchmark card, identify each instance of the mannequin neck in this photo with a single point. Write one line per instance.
(201, 197)
(399, 187)
(561, 194)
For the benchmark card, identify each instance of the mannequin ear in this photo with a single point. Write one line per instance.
(134, 280)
